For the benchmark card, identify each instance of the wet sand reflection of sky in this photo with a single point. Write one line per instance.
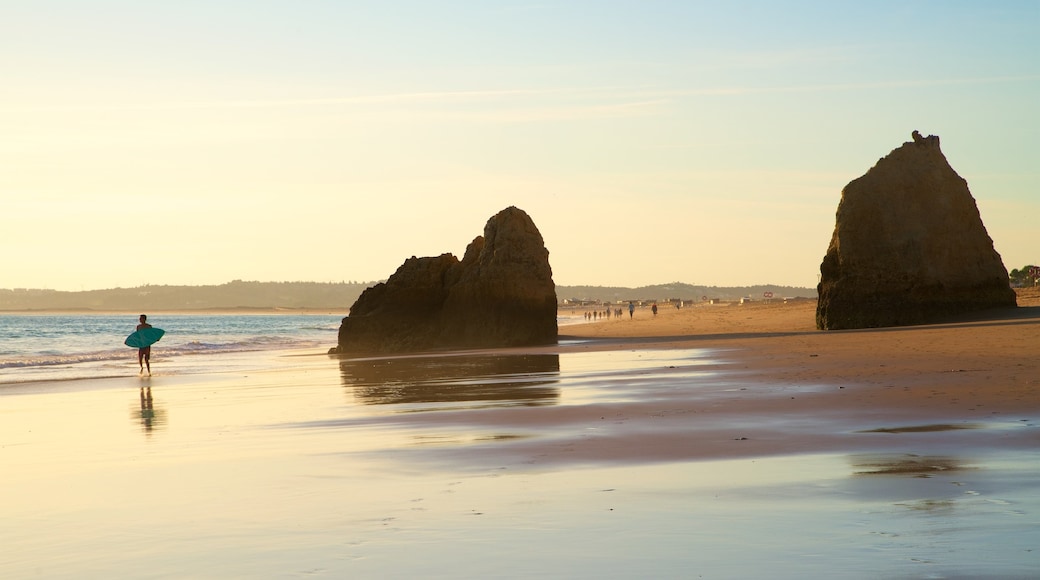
(332, 468)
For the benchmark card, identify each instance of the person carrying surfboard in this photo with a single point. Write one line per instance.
(144, 355)
(142, 339)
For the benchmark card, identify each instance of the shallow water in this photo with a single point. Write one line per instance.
(331, 469)
(54, 347)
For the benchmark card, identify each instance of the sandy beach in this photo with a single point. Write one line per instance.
(715, 441)
(986, 366)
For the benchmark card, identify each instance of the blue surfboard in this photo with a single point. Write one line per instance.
(144, 337)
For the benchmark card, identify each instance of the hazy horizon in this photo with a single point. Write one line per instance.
(172, 144)
(364, 282)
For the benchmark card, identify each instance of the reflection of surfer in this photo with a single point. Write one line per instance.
(144, 355)
(147, 411)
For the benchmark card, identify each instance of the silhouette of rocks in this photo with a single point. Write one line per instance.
(501, 294)
(909, 247)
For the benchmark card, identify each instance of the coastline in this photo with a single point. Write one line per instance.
(982, 370)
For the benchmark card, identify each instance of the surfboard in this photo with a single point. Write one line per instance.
(144, 337)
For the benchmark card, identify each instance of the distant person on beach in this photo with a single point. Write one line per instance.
(144, 355)
(654, 309)
(631, 309)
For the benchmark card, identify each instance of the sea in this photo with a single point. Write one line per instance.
(60, 347)
(56, 347)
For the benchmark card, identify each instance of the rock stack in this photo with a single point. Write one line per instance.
(909, 247)
(501, 294)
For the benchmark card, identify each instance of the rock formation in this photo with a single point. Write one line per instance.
(501, 294)
(909, 247)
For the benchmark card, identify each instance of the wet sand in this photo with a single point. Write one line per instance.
(715, 442)
(981, 369)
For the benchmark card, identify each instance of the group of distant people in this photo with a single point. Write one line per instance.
(616, 313)
(596, 314)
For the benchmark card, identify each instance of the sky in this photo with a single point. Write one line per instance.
(204, 141)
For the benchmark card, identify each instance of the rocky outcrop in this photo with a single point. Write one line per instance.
(909, 246)
(501, 294)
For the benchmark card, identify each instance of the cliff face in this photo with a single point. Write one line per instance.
(909, 246)
(500, 294)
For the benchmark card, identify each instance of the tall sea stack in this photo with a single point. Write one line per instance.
(909, 247)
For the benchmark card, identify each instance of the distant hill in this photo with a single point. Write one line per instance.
(233, 295)
(333, 296)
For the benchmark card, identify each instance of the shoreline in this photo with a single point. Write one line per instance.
(985, 360)
(776, 386)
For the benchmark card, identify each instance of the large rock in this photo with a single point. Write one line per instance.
(501, 294)
(909, 247)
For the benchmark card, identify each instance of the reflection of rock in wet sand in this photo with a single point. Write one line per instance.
(508, 379)
(910, 465)
(923, 428)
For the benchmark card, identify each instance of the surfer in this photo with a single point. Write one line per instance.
(144, 355)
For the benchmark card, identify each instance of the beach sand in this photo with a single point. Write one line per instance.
(716, 441)
(985, 366)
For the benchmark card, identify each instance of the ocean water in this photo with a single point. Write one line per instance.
(47, 347)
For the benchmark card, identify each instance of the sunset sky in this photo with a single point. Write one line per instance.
(198, 142)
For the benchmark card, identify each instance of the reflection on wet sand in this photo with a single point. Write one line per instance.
(924, 428)
(907, 464)
(494, 379)
(148, 415)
